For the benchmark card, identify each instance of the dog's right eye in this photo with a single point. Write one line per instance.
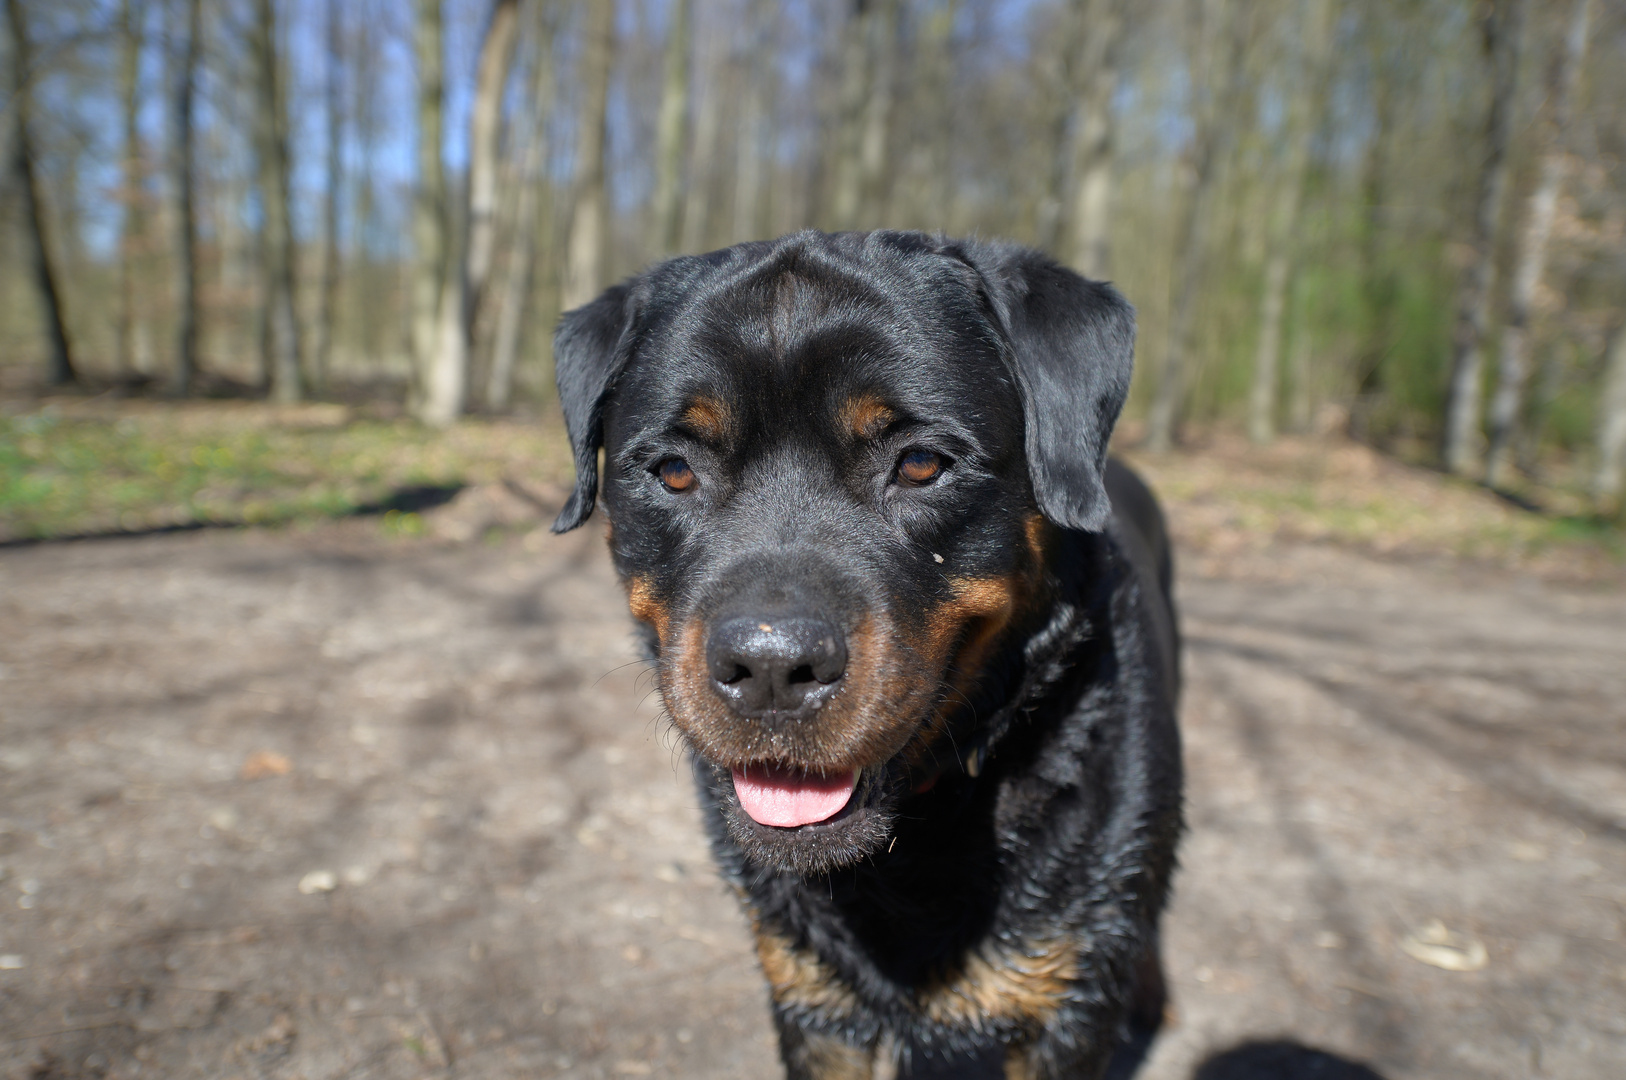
(917, 468)
(675, 475)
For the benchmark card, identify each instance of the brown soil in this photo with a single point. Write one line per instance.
(321, 804)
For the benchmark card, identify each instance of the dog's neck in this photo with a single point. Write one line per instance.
(1082, 570)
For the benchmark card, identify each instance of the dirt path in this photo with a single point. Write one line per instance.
(321, 805)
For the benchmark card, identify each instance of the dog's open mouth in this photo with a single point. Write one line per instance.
(784, 797)
(807, 821)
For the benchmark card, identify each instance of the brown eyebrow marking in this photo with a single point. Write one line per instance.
(865, 415)
(710, 418)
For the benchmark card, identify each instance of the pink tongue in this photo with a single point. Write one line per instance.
(774, 795)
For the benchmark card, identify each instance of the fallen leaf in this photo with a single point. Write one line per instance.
(1448, 950)
(263, 763)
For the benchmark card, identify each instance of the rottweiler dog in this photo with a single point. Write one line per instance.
(914, 626)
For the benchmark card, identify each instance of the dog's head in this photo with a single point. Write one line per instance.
(832, 467)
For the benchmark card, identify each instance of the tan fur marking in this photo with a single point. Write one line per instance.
(973, 619)
(832, 1059)
(645, 607)
(797, 977)
(1037, 530)
(1017, 1064)
(1025, 986)
(865, 415)
(709, 417)
(868, 720)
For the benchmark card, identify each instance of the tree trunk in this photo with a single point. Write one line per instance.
(496, 58)
(847, 187)
(1503, 29)
(59, 369)
(134, 224)
(1513, 363)
(1306, 92)
(522, 253)
(874, 157)
(186, 165)
(938, 56)
(1377, 280)
(672, 131)
(697, 201)
(1300, 396)
(429, 224)
(1089, 201)
(322, 353)
(277, 250)
(446, 390)
(1210, 141)
(1058, 90)
(1610, 469)
(751, 150)
(589, 218)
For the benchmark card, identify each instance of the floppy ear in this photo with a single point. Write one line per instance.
(589, 351)
(1072, 344)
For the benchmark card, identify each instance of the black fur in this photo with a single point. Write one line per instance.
(1044, 805)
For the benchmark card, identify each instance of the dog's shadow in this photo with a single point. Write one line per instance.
(1279, 1059)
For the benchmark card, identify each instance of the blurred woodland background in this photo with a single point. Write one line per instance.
(1403, 219)
(379, 790)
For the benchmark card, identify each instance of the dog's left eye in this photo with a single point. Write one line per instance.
(919, 467)
(675, 475)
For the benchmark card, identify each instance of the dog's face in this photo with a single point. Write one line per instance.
(820, 481)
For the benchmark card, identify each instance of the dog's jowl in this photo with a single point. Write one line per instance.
(914, 627)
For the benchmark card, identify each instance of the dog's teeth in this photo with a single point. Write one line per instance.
(936, 557)
(973, 763)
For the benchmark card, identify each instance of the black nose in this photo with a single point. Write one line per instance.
(762, 664)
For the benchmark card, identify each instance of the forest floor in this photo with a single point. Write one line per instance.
(389, 797)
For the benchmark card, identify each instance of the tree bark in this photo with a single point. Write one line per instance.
(874, 151)
(522, 253)
(751, 150)
(847, 187)
(697, 200)
(496, 58)
(1513, 362)
(672, 131)
(1377, 279)
(133, 227)
(1089, 199)
(322, 352)
(429, 224)
(1306, 92)
(938, 59)
(1503, 29)
(463, 291)
(1609, 471)
(186, 165)
(589, 218)
(277, 249)
(59, 368)
(1207, 19)
(1300, 395)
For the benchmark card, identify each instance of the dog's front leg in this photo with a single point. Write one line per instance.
(816, 1055)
